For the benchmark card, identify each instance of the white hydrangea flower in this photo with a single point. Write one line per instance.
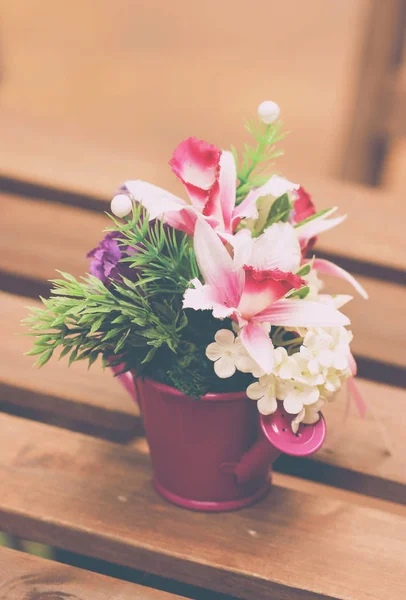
(296, 395)
(296, 367)
(326, 348)
(264, 391)
(228, 355)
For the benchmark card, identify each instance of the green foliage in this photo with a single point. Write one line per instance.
(257, 157)
(141, 323)
(312, 217)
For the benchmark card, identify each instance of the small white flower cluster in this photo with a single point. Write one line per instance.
(304, 381)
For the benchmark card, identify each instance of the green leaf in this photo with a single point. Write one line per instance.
(302, 293)
(316, 215)
(65, 351)
(35, 350)
(97, 324)
(305, 270)
(121, 341)
(44, 358)
(73, 355)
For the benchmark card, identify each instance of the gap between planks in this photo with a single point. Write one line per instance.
(96, 497)
(355, 460)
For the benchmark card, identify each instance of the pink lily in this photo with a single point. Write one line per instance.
(251, 296)
(329, 268)
(209, 176)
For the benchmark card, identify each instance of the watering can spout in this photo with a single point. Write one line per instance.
(276, 437)
(258, 458)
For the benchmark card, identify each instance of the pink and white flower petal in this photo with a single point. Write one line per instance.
(277, 248)
(338, 300)
(329, 268)
(206, 297)
(216, 264)
(197, 164)
(262, 288)
(227, 188)
(258, 345)
(319, 224)
(247, 209)
(242, 243)
(156, 200)
(301, 313)
(276, 186)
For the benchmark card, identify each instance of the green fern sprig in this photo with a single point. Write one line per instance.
(257, 158)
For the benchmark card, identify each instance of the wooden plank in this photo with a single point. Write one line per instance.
(361, 454)
(97, 497)
(55, 236)
(373, 232)
(94, 397)
(111, 85)
(23, 577)
(88, 396)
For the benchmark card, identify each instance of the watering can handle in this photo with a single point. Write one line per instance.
(127, 381)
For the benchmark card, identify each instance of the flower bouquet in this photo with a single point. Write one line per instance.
(209, 309)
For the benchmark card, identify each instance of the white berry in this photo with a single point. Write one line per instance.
(121, 205)
(268, 111)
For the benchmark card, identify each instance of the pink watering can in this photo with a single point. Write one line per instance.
(213, 453)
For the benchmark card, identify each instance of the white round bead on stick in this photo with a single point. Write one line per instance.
(121, 205)
(268, 111)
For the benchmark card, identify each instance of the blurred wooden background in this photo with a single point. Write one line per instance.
(108, 89)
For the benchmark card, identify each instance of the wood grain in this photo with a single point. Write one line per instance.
(26, 577)
(96, 497)
(357, 460)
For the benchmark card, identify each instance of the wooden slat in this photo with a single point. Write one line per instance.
(55, 236)
(26, 577)
(94, 397)
(373, 231)
(357, 460)
(97, 497)
(132, 86)
(362, 454)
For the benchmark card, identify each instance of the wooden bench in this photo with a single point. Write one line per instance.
(23, 576)
(84, 493)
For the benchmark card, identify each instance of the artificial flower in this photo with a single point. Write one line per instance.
(105, 259)
(296, 395)
(210, 178)
(252, 296)
(228, 355)
(326, 348)
(264, 392)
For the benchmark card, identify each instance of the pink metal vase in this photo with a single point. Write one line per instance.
(214, 453)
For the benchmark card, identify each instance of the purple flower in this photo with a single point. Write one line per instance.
(105, 259)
